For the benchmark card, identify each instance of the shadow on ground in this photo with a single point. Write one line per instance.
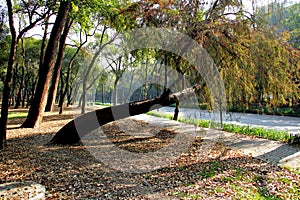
(72, 172)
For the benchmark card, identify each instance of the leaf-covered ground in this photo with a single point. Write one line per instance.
(71, 172)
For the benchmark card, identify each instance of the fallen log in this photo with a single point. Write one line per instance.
(69, 134)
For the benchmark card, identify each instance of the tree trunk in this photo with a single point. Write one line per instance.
(45, 72)
(116, 91)
(68, 134)
(69, 97)
(24, 96)
(90, 66)
(102, 93)
(80, 101)
(57, 68)
(19, 95)
(85, 78)
(7, 83)
(44, 42)
(130, 87)
(166, 71)
(62, 91)
(176, 111)
(13, 86)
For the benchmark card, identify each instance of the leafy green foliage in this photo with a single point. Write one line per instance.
(4, 52)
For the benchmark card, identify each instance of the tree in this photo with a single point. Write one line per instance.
(3, 28)
(69, 135)
(66, 82)
(57, 68)
(117, 68)
(292, 24)
(21, 82)
(34, 18)
(45, 72)
(102, 41)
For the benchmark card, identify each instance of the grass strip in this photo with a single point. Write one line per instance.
(281, 136)
(16, 115)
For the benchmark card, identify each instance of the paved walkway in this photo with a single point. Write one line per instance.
(267, 150)
(280, 123)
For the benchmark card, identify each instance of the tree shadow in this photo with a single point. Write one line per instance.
(283, 154)
(268, 150)
(73, 172)
(14, 122)
(58, 117)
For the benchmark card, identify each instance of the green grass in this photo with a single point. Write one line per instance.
(244, 183)
(259, 132)
(16, 115)
(240, 180)
(295, 171)
(102, 104)
(246, 130)
(211, 171)
(198, 122)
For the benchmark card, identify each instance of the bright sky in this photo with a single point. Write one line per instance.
(247, 5)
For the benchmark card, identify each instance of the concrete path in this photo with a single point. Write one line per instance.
(267, 150)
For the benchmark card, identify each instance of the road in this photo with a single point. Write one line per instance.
(281, 123)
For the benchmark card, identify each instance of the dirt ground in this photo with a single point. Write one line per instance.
(72, 172)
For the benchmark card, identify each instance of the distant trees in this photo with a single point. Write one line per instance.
(291, 23)
(282, 19)
(25, 73)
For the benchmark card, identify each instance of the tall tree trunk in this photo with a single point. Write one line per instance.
(45, 72)
(68, 78)
(92, 63)
(13, 86)
(80, 101)
(83, 105)
(7, 83)
(102, 93)
(116, 91)
(57, 68)
(24, 96)
(65, 88)
(69, 97)
(19, 95)
(85, 78)
(44, 41)
(62, 91)
(166, 71)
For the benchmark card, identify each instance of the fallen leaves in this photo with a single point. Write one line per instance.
(70, 172)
